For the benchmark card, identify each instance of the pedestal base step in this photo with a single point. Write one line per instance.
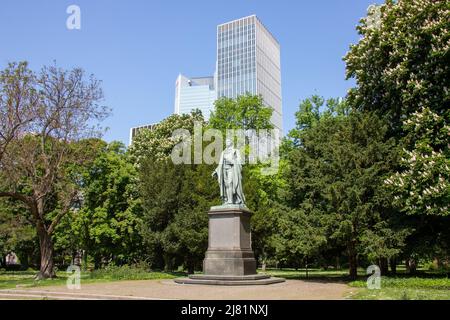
(221, 280)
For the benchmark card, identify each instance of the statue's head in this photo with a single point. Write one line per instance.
(228, 143)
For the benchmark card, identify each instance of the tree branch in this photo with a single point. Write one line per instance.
(25, 199)
(61, 214)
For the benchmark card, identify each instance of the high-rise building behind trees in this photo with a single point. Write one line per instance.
(248, 61)
(194, 93)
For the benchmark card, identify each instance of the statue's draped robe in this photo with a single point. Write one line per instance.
(236, 177)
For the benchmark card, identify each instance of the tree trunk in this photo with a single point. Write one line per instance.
(352, 261)
(384, 268)
(97, 261)
(338, 263)
(168, 265)
(393, 263)
(23, 258)
(306, 265)
(85, 259)
(411, 265)
(190, 268)
(46, 269)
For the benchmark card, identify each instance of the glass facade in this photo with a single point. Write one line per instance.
(194, 93)
(248, 61)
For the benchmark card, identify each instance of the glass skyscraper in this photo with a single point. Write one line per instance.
(248, 60)
(194, 93)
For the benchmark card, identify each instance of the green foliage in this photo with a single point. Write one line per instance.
(244, 112)
(299, 236)
(400, 288)
(126, 272)
(17, 233)
(158, 142)
(314, 109)
(422, 186)
(382, 241)
(348, 168)
(176, 199)
(401, 68)
(336, 175)
(106, 225)
(412, 282)
(401, 60)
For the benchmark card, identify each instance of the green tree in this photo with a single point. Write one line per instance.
(175, 200)
(158, 142)
(338, 171)
(245, 112)
(422, 185)
(17, 233)
(262, 194)
(382, 243)
(106, 225)
(401, 69)
(311, 111)
(401, 60)
(37, 161)
(300, 236)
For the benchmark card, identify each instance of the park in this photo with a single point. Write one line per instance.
(352, 202)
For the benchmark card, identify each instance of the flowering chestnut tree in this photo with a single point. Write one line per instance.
(400, 63)
(422, 186)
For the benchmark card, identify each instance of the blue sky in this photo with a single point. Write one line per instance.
(137, 48)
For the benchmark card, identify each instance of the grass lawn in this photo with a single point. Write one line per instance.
(405, 288)
(424, 286)
(313, 274)
(17, 279)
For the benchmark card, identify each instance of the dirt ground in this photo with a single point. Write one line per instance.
(167, 289)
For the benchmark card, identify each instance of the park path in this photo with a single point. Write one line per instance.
(167, 289)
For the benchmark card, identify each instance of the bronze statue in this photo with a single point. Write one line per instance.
(229, 175)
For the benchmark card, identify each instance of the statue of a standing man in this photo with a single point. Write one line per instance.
(229, 175)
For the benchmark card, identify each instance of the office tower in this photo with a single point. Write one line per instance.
(135, 130)
(248, 60)
(194, 93)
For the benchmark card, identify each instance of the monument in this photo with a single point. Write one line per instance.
(229, 259)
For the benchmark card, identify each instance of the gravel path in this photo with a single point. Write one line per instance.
(167, 289)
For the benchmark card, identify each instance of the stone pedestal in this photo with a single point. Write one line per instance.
(229, 259)
(229, 243)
